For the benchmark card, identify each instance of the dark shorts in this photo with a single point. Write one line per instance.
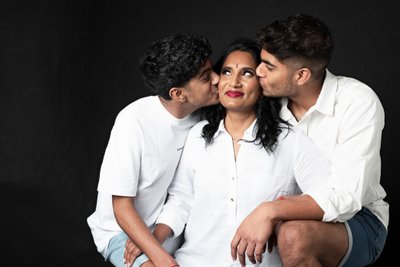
(367, 237)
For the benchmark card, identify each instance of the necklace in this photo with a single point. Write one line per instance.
(236, 140)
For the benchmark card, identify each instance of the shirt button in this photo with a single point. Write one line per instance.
(232, 199)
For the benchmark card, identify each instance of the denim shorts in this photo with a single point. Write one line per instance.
(367, 237)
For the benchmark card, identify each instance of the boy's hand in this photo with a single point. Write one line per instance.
(131, 252)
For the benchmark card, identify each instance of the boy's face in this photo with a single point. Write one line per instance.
(202, 89)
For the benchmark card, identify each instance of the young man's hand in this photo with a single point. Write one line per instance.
(252, 235)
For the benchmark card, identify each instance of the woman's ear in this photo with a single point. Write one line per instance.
(177, 94)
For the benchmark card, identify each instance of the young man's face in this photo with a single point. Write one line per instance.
(275, 78)
(201, 90)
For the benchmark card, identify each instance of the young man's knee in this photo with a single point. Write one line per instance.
(293, 235)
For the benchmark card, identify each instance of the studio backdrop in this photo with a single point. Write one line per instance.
(68, 67)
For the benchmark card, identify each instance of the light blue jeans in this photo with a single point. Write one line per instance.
(116, 248)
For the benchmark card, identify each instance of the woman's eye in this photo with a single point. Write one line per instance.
(225, 72)
(248, 73)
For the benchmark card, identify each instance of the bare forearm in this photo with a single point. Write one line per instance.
(258, 227)
(294, 207)
(133, 225)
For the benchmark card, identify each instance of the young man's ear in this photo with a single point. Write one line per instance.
(303, 75)
(177, 94)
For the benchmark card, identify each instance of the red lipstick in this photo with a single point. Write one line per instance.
(234, 94)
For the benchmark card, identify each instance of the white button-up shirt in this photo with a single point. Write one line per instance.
(212, 192)
(346, 123)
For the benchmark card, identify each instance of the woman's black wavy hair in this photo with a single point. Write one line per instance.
(269, 124)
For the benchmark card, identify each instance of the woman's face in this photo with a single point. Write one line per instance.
(238, 87)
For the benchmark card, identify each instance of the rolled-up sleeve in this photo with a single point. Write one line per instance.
(356, 163)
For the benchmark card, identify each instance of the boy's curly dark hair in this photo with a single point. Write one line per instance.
(269, 124)
(173, 61)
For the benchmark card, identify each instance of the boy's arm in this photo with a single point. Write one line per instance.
(161, 233)
(132, 224)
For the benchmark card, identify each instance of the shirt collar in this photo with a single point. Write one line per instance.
(326, 99)
(285, 113)
(325, 102)
(248, 135)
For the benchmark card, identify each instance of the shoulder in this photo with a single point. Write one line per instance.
(287, 133)
(139, 108)
(134, 114)
(286, 139)
(197, 129)
(195, 140)
(294, 138)
(140, 104)
(354, 97)
(353, 90)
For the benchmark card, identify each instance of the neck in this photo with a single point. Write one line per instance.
(175, 108)
(306, 97)
(237, 122)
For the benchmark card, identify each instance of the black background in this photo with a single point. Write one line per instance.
(68, 67)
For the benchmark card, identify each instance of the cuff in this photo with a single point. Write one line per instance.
(320, 196)
(173, 221)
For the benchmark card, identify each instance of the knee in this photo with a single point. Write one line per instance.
(294, 239)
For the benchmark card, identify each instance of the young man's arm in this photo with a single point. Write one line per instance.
(311, 170)
(258, 227)
(132, 224)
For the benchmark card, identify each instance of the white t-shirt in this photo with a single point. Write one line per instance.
(213, 193)
(140, 160)
(346, 123)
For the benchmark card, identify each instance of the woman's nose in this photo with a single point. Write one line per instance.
(235, 81)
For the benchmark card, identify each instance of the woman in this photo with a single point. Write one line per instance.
(240, 156)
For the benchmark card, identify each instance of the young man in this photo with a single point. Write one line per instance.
(346, 223)
(145, 146)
